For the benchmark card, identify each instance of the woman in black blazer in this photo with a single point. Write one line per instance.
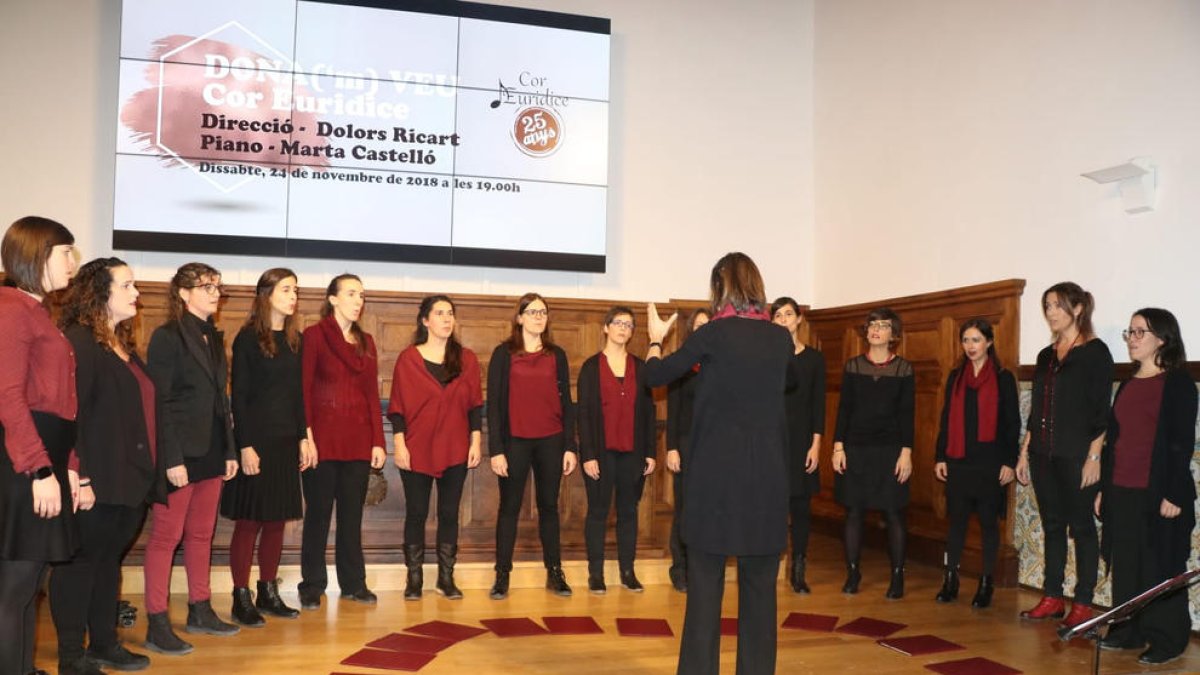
(115, 444)
(736, 479)
(186, 360)
(681, 399)
(1147, 493)
(616, 444)
(531, 427)
(976, 452)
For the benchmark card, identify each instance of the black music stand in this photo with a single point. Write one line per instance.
(1091, 628)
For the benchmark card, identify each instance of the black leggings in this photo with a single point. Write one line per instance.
(958, 511)
(417, 491)
(801, 508)
(545, 457)
(19, 584)
(897, 537)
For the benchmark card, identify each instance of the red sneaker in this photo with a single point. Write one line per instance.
(1047, 608)
(1079, 614)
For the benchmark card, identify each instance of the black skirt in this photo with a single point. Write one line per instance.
(24, 535)
(870, 478)
(274, 492)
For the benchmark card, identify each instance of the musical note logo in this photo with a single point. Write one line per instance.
(502, 93)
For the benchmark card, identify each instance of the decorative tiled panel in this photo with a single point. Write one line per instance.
(1027, 537)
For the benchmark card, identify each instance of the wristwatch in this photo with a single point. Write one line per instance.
(1094, 458)
(39, 474)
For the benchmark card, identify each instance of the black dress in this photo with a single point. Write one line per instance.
(268, 414)
(875, 420)
(806, 416)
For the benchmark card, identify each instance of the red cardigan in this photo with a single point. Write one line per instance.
(341, 394)
(436, 433)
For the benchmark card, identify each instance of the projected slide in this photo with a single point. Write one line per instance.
(449, 133)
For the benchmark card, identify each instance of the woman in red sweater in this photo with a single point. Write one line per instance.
(436, 413)
(341, 405)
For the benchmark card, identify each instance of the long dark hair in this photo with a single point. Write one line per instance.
(260, 313)
(985, 327)
(86, 303)
(360, 336)
(1162, 323)
(735, 280)
(688, 328)
(26, 248)
(516, 341)
(187, 276)
(453, 362)
(1074, 296)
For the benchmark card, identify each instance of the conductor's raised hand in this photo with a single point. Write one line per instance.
(656, 327)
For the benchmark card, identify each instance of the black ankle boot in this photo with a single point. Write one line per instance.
(202, 619)
(556, 582)
(798, 583)
(895, 589)
(447, 555)
(268, 601)
(414, 558)
(853, 576)
(983, 596)
(630, 581)
(160, 637)
(949, 592)
(500, 588)
(81, 665)
(244, 611)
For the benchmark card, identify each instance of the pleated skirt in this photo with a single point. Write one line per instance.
(273, 493)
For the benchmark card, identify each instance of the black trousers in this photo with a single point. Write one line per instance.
(418, 488)
(987, 502)
(622, 473)
(1064, 507)
(343, 483)
(801, 519)
(19, 584)
(84, 592)
(678, 546)
(544, 456)
(700, 648)
(1164, 623)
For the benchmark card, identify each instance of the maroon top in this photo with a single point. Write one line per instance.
(38, 374)
(1137, 416)
(341, 394)
(534, 408)
(616, 404)
(146, 385)
(436, 430)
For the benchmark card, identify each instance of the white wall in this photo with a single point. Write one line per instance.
(950, 137)
(710, 150)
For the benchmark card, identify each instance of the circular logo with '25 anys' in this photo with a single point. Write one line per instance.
(538, 131)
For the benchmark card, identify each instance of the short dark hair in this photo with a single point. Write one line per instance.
(783, 301)
(618, 310)
(884, 314)
(26, 248)
(1162, 323)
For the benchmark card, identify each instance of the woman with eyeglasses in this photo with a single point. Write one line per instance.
(39, 473)
(617, 430)
(1147, 493)
(1064, 436)
(271, 434)
(436, 410)
(116, 447)
(806, 423)
(681, 401)
(345, 424)
(872, 444)
(976, 452)
(531, 428)
(186, 361)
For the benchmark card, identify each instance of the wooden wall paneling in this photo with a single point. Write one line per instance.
(930, 342)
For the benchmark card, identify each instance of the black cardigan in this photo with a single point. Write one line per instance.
(499, 367)
(591, 414)
(681, 400)
(189, 391)
(1170, 473)
(113, 443)
(1082, 396)
(1003, 450)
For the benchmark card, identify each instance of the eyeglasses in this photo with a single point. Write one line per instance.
(536, 313)
(1135, 333)
(211, 289)
(880, 325)
(621, 323)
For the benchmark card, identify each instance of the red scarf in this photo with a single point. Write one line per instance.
(988, 405)
(728, 310)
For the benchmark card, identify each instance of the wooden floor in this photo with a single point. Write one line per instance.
(318, 640)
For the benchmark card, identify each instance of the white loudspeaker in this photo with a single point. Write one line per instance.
(1137, 179)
